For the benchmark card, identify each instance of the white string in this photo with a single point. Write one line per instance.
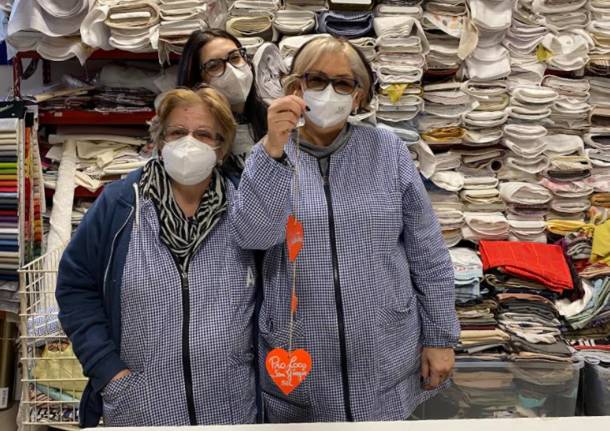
(296, 194)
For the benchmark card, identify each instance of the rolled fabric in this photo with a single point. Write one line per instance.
(345, 24)
(268, 69)
(294, 22)
(448, 180)
(524, 193)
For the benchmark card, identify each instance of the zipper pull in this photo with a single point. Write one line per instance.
(185, 280)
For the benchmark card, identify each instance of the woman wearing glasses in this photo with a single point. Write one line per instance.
(374, 279)
(153, 293)
(217, 58)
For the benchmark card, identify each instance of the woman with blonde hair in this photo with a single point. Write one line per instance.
(374, 280)
(153, 293)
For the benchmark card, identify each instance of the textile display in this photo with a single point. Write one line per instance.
(504, 106)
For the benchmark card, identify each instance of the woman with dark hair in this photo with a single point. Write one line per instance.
(217, 58)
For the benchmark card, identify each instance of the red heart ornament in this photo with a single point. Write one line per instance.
(288, 370)
(294, 237)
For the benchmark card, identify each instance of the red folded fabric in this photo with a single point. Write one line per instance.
(544, 263)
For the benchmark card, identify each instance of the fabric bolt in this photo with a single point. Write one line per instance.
(488, 64)
(493, 226)
(52, 18)
(492, 15)
(572, 189)
(600, 248)
(290, 45)
(367, 46)
(311, 5)
(443, 53)
(571, 205)
(448, 180)
(524, 193)
(268, 70)
(523, 37)
(563, 145)
(251, 18)
(485, 158)
(569, 87)
(526, 141)
(567, 168)
(390, 10)
(569, 50)
(345, 24)
(252, 44)
(294, 22)
(482, 182)
(253, 26)
(482, 137)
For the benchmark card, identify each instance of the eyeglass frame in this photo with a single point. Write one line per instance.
(330, 81)
(218, 140)
(242, 51)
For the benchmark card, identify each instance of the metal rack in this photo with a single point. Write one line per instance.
(52, 377)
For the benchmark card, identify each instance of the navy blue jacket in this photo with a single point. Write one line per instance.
(92, 266)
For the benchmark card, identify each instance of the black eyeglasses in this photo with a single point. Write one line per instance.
(217, 66)
(318, 81)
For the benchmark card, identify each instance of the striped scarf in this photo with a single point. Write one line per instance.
(181, 235)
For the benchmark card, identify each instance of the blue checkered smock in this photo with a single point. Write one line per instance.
(374, 280)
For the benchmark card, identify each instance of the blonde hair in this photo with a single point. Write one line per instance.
(213, 100)
(310, 53)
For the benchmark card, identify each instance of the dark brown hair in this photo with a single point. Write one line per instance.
(189, 75)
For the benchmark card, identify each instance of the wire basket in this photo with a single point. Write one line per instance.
(52, 377)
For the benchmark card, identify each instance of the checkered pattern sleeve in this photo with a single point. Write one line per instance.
(429, 260)
(261, 206)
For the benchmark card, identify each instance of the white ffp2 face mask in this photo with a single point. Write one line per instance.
(235, 83)
(327, 108)
(188, 161)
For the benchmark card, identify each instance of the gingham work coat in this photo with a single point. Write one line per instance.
(395, 275)
(121, 303)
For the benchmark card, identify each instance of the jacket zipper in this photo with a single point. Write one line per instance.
(186, 347)
(112, 251)
(338, 297)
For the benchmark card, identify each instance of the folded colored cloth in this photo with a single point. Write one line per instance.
(345, 24)
(540, 262)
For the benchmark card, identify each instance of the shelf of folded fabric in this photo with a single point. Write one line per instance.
(75, 117)
(115, 54)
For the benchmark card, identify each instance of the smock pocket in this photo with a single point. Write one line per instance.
(243, 397)
(300, 397)
(278, 410)
(399, 348)
(385, 221)
(125, 401)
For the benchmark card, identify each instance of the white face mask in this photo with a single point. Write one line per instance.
(327, 108)
(235, 83)
(188, 161)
